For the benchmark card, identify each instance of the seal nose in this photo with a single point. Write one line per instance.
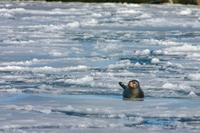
(134, 85)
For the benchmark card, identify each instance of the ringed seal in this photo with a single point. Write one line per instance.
(133, 90)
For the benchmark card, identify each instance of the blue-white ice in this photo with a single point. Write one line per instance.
(60, 64)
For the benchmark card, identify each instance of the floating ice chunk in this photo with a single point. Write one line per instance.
(143, 52)
(107, 14)
(57, 9)
(74, 24)
(89, 109)
(57, 53)
(96, 14)
(2, 81)
(8, 5)
(191, 51)
(121, 64)
(45, 69)
(139, 120)
(18, 41)
(144, 16)
(3, 10)
(109, 4)
(54, 27)
(184, 48)
(45, 111)
(161, 42)
(174, 64)
(171, 43)
(13, 126)
(91, 22)
(27, 62)
(128, 11)
(186, 12)
(11, 90)
(158, 51)
(155, 60)
(69, 107)
(6, 15)
(174, 86)
(105, 85)
(146, 51)
(195, 76)
(170, 86)
(28, 107)
(192, 94)
(155, 21)
(112, 46)
(131, 5)
(194, 55)
(19, 10)
(82, 80)
(137, 64)
(77, 50)
(23, 3)
(12, 10)
(169, 63)
(43, 86)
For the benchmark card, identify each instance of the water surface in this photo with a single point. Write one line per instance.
(60, 64)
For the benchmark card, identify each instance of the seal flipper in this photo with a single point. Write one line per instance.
(126, 92)
(123, 86)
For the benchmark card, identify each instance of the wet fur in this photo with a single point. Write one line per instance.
(132, 93)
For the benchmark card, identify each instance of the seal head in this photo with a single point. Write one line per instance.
(133, 90)
(136, 91)
(133, 84)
